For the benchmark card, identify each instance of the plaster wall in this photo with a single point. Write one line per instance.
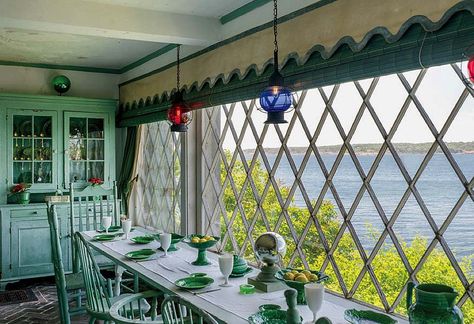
(323, 26)
(37, 81)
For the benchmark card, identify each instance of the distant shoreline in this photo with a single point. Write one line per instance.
(373, 149)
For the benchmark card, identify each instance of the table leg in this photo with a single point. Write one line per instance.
(118, 279)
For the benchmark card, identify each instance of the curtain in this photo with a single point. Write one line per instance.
(127, 175)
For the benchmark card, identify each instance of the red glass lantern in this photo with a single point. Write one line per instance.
(470, 69)
(179, 114)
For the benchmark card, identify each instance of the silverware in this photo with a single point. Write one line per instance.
(183, 270)
(165, 267)
(204, 292)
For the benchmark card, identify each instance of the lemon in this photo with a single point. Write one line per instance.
(289, 276)
(207, 237)
(306, 272)
(211, 238)
(294, 271)
(313, 277)
(203, 240)
(195, 239)
(302, 278)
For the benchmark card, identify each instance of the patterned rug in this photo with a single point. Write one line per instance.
(17, 296)
(43, 310)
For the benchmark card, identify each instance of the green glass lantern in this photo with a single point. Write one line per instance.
(61, 84)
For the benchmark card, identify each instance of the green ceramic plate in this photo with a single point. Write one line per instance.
(238, 275)
(194, 282)
(142, 239)
(355, 316)
(272, 316)
(104, 237)
(140, 254)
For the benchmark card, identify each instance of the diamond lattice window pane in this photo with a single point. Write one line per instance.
(370, 181)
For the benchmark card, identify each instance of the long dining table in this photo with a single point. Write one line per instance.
(226, 304)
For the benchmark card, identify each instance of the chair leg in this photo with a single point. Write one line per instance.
(78, 298)
(136, 282)
(92, 320)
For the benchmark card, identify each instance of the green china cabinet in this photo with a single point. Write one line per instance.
(47, 141)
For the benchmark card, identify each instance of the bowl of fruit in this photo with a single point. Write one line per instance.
(297, 278)
(201, 243)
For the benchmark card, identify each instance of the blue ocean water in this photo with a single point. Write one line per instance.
(439, 186)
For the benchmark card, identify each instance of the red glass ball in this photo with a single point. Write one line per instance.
(470, 69)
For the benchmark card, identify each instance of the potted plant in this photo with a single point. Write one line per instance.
(94, 182)
(21, 192)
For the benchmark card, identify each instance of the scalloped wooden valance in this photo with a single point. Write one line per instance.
(225, 73)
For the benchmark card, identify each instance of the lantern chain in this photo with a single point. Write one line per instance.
(275, 30)
(178, 71)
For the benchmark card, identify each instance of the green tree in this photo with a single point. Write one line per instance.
(388, 266)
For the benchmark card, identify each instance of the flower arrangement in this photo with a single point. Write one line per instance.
(96, 181)
(19, 188)
(21, 192)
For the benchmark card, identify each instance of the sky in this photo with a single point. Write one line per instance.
(438, 94)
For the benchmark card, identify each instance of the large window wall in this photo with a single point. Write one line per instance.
(370, 181)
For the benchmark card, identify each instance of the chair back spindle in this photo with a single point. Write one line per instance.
(176, 310)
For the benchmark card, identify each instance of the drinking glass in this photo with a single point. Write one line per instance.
(165, 241)
(226, 263)
(106, 222)
(126, 227)
(314, 298)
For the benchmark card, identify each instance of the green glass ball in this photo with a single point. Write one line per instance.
(61, 83)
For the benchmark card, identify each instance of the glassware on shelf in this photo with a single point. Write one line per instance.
(77, 171)
(87, 144)
(95, 128)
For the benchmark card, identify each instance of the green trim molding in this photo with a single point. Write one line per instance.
(143, 60)
(252, 5)
(378, 53)
(62, 67)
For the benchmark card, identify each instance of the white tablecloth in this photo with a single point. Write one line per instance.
(178, 265)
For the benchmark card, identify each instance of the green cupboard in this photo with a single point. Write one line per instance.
(48, 142)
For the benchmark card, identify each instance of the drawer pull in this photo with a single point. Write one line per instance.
(35, 213)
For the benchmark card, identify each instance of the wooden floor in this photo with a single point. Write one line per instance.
(43, 311)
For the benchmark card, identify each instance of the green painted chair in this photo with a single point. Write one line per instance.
(98, 289)
(176, 310)
(68, 286)
(86, 208)
(121, 311)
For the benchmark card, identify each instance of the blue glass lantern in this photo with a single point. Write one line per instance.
(276, 99)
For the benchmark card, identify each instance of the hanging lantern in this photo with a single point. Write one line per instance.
(276, 99)
(470, 69)
(179, 114)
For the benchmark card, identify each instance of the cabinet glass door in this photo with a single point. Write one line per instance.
(32, 150)
(86, 147)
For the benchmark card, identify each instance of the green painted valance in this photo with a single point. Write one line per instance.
(379, 53)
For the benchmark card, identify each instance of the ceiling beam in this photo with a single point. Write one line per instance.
(112, 21)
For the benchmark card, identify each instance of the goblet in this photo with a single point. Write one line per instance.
(165, 241)
(314, 298)
(126, 227)
(106, 222)
(226, 263)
